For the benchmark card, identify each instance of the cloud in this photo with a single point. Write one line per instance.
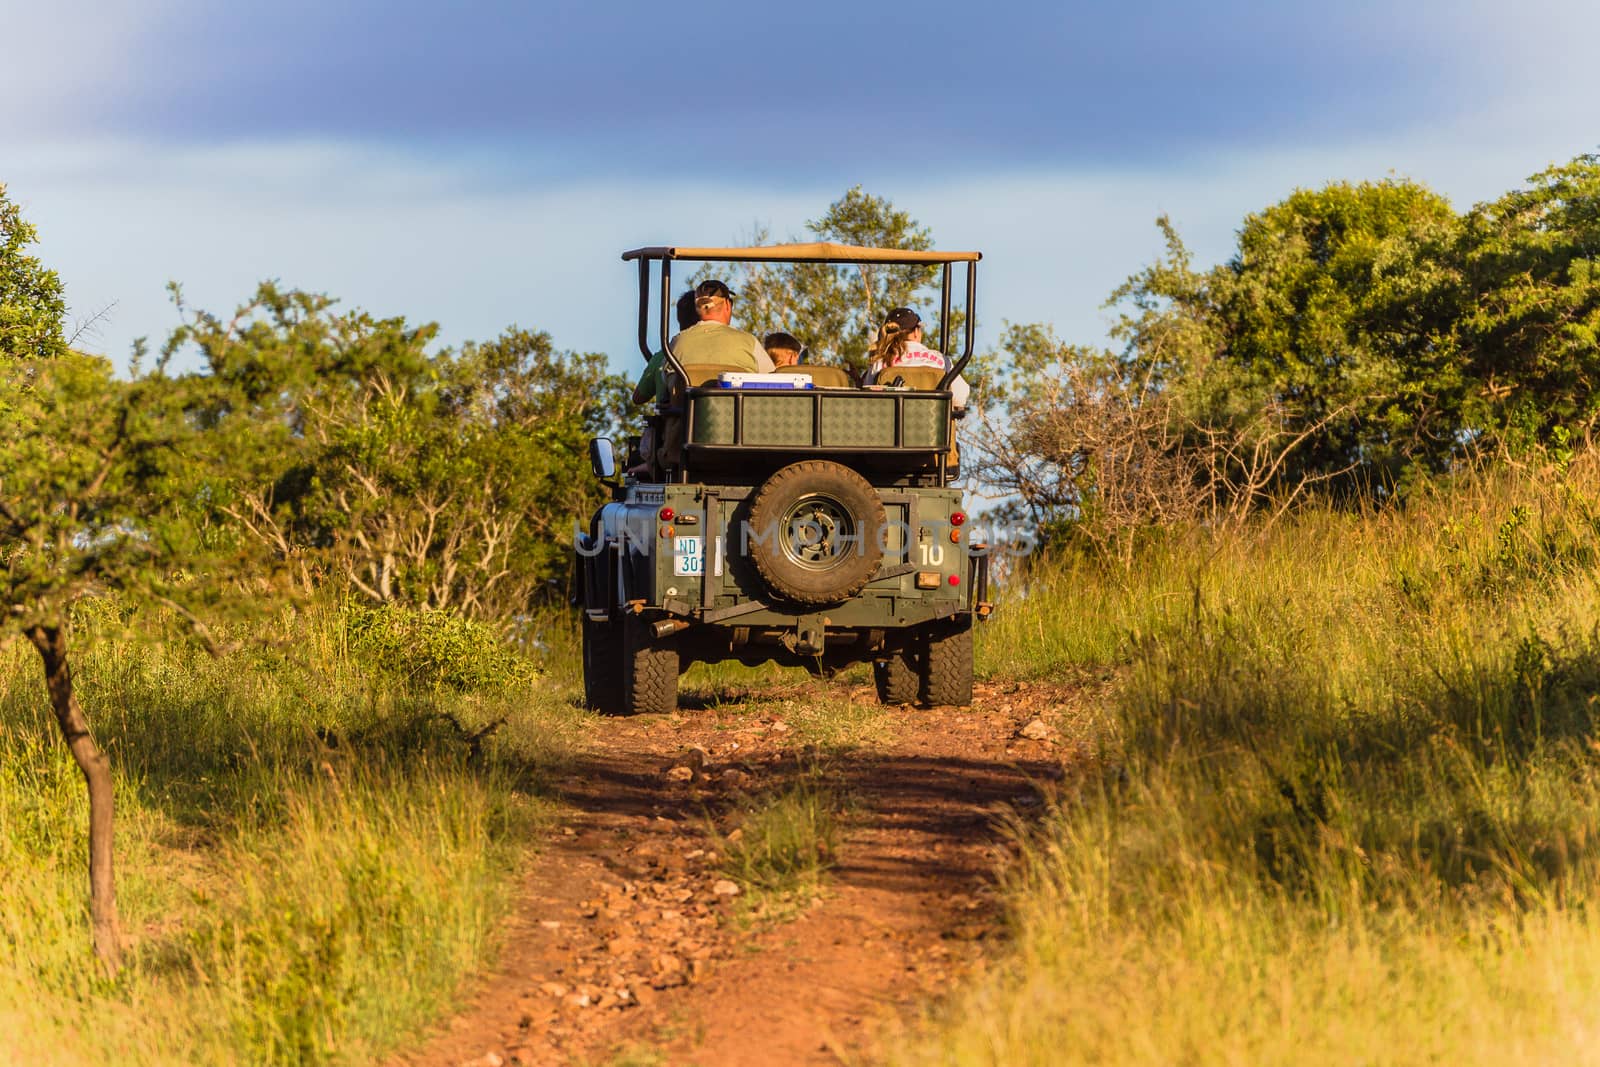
(68, 61)
(378, 229)
(740, 90)
(481, 164)
(429, 238)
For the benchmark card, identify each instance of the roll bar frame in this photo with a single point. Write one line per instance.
(835, 254)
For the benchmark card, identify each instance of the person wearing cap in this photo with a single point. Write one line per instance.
(784, 349)
(899, 344)
(714, 340)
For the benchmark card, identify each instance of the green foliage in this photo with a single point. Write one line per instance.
(91, 492)
(1531, 304)
(836, 311)
(1398, 336)
(32, 307)
(429, 647)
(438, 479)
(1330, 316)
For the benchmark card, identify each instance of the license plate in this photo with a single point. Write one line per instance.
(687, 556)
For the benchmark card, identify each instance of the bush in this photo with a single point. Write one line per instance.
(434, 648)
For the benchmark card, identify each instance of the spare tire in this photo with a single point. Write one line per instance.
(816, 532)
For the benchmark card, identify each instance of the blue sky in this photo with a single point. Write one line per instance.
(483, 164)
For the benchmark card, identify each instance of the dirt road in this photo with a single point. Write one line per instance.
(628, 945)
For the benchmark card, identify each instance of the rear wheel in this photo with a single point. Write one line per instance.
(602, 666)
(947, 665)
(896, 677)
(649, 670)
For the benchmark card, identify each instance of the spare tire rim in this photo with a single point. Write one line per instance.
(818, 533)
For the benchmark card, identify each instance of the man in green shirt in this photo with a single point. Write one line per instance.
(707, 340)
(713, 340)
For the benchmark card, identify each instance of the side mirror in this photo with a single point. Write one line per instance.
(602, 458)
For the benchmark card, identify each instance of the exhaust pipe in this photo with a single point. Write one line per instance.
(667, 627)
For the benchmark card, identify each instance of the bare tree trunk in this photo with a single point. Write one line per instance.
(96, 768)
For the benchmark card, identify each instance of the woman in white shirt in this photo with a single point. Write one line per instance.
(900, 344)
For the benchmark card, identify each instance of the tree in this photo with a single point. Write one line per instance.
(440, 480)
(87, 506)
(32, 308)
(1072, 439)
(1530, 302)
(836, 310)
(1081, 442)
(77, 472)
(1337, 310)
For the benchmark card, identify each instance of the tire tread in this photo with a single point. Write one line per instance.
(650, 671)
(896, 678)
(602, 667)
(947, 668)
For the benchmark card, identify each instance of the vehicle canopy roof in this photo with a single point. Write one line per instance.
(809, 252)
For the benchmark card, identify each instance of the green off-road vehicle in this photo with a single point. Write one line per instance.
(806, 522)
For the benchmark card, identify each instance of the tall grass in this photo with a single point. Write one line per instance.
(312, 850)
(1347, 806)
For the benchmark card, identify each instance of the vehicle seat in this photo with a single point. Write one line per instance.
(926, 378)
(912, 377)
(669, 452)
(701, 373)
(821, 376)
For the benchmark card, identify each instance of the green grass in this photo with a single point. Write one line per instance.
(636, 1055)
(781, 849)
(832, 723)
(310, 854)
(1346, 799)
(825, 715)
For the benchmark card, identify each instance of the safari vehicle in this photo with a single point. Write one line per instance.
(805, 522)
